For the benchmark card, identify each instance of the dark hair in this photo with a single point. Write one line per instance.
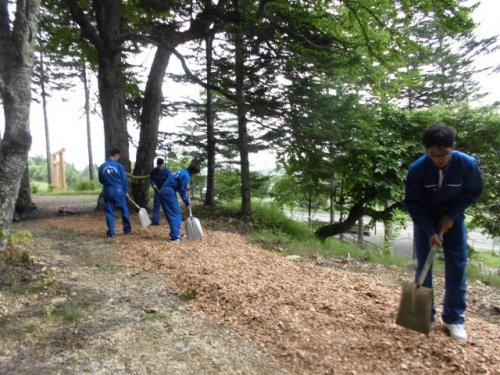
(114, 151)
(439, 135)
(160, 161)
(193, 169)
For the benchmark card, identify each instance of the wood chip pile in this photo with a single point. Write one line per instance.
(313, 320)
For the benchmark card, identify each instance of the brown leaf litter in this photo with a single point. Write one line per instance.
(314, 320)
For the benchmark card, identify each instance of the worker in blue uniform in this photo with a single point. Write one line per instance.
(178, 182)
(114, 178)
(440, 186)
(157, 178)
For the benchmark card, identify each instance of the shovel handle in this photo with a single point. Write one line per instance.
(132, 201)
(427, 265)
(190, 211)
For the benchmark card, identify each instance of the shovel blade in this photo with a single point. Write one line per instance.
(193, 229)
(144, 218)
(415, 308)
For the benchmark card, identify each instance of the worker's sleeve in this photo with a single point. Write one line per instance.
(101, 177)
(185, 179)
(124, 180)
(167, 172)
(414, 203)
(472, 189)
(152, 179)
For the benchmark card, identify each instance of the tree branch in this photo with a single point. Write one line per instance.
(87, 30)
(195, 79)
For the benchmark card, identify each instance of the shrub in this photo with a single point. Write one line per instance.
(86, 185)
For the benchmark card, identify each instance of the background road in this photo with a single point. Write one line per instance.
(403, 244)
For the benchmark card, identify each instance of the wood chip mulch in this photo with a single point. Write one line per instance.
(313, 320)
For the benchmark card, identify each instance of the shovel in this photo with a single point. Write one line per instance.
(143, 214)
(415, 307)
(193, 227)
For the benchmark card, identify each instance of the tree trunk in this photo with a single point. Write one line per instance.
(332, 202)
(16, 69)
(210, 193)
(24, 202)
(43, 78)
(241, 110)
(360, 231)
(151, 113)
(106, 38)
(112, 99)
(87, 117)
(355, 213)
(388, 236)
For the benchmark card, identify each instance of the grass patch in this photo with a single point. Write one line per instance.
(68, 313)
(475, 273)
(189, 295)
(394, 260)
(487, 258)
(266, 216)
(156, 316)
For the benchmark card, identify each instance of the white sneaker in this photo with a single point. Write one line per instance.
(457, 331)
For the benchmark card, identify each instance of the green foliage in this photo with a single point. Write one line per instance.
(87, 185)
(284, 192)
(228, 184)
(38, 175)
(34, 187)
(37, 166)
(267, 216)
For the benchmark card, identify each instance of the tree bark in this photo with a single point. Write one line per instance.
(151, 113)
(24, 203)
(16, 69)
(106, 38)
(241, 111)
(87, 117)
(43, 78)
(356, 212)
(210, 193)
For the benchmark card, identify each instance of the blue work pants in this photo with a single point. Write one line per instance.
(172, 210)
(114, 197)
(455, 258)
(156, 208)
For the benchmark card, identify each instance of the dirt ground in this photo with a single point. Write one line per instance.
(139, 305)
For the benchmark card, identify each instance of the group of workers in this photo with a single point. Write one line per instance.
(166, 185)
(440, 186)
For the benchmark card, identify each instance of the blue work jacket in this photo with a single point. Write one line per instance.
(159, 176)
(427, 202)
(113, 175)
(179, 182)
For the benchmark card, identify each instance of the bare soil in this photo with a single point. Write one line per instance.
(139, 305)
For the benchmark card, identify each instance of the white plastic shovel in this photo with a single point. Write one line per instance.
(143, 214)
(193, 227)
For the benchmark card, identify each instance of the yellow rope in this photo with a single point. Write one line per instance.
(132, 177)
